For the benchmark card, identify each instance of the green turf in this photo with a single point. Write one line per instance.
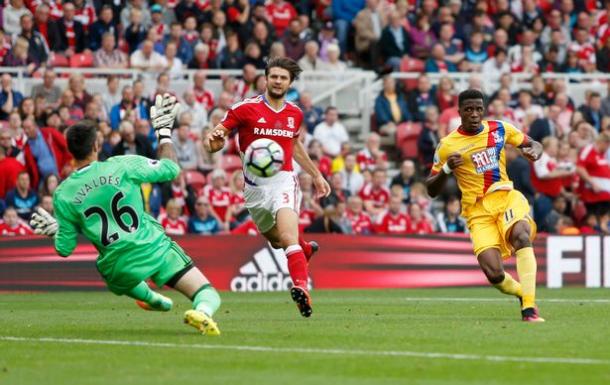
(347, 320)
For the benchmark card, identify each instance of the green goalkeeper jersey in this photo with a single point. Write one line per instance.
(103, 201)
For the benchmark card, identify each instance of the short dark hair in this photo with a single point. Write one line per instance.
(81, 137)
(470, 94)
(286, 63)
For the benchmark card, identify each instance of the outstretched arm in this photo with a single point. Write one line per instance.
(530, 149)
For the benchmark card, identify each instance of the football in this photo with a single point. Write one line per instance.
(264, 158)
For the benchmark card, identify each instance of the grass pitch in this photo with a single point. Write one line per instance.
(441, 336)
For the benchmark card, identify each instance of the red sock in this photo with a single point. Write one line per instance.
(297, 265)
(306, 248)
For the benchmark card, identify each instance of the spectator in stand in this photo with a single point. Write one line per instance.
(201, 59)
(310, 61)
(360, 222)
(334, 64)
(48, 89)
(67, 101)
(557, 212)
(376, 196)
(338, 194)
(261, 36)
(428, 137)
(219, 196)
(13, 139)
(202, 222)
(46, 152)
(156, 21)
(344, 12)
(326, 38)
(327, 223)
(237, 212)
(584, 49)
(46, 202)
(593, 169)
(495, 66)
(124, 108)
(419, 223)
(132, 143)
(280, 13)
(231, 56)
(141, 7)
(591, 110)
(173, 222)
(147, 60)
(331, 133)
(394, 221)
(421, 36)
(445, 94)
(9, 97)
(76, 84)
(246, 85)
(135, 32)
(405, 178)
(11, 15)
(10, 168)
(476, 53)
(368, 25)
(186, 152)
(12, 225)
(526, 108)
(293, 44)
(338, 163)
(394, 43)
(519, 171)
(107, 56)
(437, 62)
(390, 107)
(420, 98)
(18, 56)
(47, 27)
(175, 67)
(105, 24)
(49, 185)
(23, 198)
(200, 115)
(546, 126)
(452, 45)
(38, 50)
(606, 101)
(603, 55)
(371, 157)
(111, 96)
(315, 152)
(312, 115)
(72, 33)
(185, 50)
(449, 220)
(351, 176)
(203, 96)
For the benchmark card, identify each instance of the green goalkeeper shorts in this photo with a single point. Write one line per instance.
(124, 277)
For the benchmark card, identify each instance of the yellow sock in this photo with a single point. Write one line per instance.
(526, 267)
(509, 286)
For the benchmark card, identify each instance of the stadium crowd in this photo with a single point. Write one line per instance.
(569, 188)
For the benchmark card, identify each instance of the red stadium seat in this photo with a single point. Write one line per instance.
(196, 179)
(406, 138)
(58, 60)
(81, 60)
(230, 163)
(409, 64)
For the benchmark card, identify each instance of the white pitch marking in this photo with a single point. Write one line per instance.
(466, 299)
(342, 352)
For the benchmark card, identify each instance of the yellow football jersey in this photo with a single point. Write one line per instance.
(484, 167)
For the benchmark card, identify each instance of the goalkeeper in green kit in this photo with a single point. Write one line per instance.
(102, 200)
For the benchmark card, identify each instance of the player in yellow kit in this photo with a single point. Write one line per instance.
(497, 215)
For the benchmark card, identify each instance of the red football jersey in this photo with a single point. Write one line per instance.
(205, 98)
(254, 118)
(361, 223)
(366, 160)
(421, 227)
(598, 169)
(238, 201)
(20, 229)
(379, 196)
(174, 227)
(219, 200)
(395, 224)
(280, 16)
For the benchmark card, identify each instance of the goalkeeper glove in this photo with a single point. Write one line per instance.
(162, 116)
(43, 223)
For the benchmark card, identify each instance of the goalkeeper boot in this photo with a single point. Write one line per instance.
(531, 315)
(301, 297)
(202, 322)
(160, 303)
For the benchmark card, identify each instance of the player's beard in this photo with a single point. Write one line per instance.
(276, 95)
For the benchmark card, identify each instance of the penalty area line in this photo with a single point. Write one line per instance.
(474, 299)
(341, 352)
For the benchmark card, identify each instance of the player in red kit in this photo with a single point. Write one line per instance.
(274, 202)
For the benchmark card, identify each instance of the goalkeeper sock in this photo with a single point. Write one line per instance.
(143, 293)
(206, 300)
(526, 267)
(509, 286)
(297, 265)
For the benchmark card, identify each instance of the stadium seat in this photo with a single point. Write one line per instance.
(58, 60)
(406, 138)
(409, 64)
(195, 179)
(81, 60)
(230, 163)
